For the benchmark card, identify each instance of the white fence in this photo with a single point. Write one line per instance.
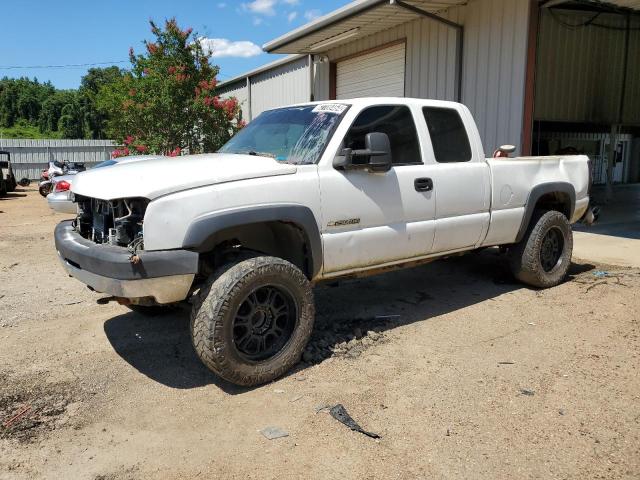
(30, 157)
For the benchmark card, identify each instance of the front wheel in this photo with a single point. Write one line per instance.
(252, 320)
(543, 257)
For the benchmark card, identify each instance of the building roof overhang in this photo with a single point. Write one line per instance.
(356, 20)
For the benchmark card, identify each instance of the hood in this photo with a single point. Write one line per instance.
(154, 178)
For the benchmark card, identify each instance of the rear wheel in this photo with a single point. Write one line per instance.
(252, 320)
(44, 190)
(543, 257)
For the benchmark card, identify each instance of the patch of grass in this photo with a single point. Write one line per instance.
(26, 130)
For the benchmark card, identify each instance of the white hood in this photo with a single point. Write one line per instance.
(154, 178)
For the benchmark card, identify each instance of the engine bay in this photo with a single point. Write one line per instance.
(113, 222)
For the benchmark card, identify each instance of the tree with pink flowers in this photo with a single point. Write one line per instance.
(166, 104)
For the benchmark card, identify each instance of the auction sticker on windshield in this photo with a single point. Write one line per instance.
(336, 108)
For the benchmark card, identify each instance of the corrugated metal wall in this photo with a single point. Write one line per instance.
(239, 91)
(322, 70)
(30, 157)
(279, 86)
(495, 59)
(494, 63)
(579, 72)
(283, 85)
(431, 54)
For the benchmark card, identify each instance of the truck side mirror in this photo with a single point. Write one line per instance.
(378, 149)
(377, 152)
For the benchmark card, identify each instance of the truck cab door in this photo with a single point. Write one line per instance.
(371, 219)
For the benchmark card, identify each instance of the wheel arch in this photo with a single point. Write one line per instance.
(287, 231)
(560, 196)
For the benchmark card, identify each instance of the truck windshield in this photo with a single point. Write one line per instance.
(295, 135)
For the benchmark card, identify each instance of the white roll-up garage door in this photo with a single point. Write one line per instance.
(375, 74)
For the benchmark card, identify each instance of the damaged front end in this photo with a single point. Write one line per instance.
(112, 222)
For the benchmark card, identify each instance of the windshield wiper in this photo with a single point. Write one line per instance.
(260, 154)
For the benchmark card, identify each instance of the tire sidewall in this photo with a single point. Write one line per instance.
(233, 286)
(531, 270)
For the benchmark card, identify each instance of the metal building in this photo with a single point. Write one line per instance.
(539, 74)
(30, 157)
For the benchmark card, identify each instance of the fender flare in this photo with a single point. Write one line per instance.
(201, 233)
(538, 192)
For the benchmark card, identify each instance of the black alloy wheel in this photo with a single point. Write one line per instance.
(551, 249)
(264, 323)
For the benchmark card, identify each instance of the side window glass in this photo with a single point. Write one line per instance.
(394, 120)
(448, 135)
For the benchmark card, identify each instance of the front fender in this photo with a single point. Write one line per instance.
(201, 235)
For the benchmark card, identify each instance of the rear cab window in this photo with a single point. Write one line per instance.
(448, 135)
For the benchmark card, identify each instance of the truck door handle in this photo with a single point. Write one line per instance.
(423, 184)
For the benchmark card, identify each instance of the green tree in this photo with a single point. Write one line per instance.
(70, 123)
(166, 103)
(95, 121)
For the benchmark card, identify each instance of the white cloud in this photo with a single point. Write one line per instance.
(221, 47)
(292, 16)
(312, 14)
(222, 5)
(292, 3)
(257, 21)
(262, 7)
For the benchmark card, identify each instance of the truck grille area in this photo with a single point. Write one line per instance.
(114, 222)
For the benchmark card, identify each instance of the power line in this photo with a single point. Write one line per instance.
(74, 65)
(71, 65)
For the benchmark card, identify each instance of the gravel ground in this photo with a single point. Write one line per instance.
(462, 372)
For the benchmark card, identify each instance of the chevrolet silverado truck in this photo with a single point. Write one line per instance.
(308, 193)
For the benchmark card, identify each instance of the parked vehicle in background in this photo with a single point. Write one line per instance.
(57, 169)
(7, 178)
(308, 193)
(61, 198)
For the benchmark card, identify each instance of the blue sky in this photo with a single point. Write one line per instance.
(45, 32)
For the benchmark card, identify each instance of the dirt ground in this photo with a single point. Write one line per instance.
(463, 374)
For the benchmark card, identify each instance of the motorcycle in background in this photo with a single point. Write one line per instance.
(57, 169)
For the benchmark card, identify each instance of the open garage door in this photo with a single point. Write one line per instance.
(374, 74)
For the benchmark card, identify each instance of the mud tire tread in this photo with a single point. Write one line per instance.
(525, 256)
(214, 305)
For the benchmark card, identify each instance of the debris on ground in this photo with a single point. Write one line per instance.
(346, 338)
(340, 413)
(272, 433)
(28, 409)
(323, 407)
(601, 278)
(528, 393)
(278, 391)
(21, 413)
(295, 399)
(506, 363)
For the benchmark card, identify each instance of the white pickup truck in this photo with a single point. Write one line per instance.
(308, 193)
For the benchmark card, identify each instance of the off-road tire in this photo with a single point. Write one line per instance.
(217, 303)
(525, 257)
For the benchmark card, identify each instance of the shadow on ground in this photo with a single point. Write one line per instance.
(350, 316)
(12, 196)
